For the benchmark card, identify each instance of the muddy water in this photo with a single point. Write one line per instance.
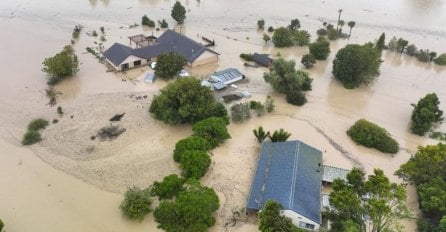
(32, 30)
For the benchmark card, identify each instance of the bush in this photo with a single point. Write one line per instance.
(195, 164)
(212, 129)
(240, 112)
(168, 188)
(260, 24)
(282, 37)
(321, 32)
(308, 60)
(163, 23)
(59, 110)
(31, 137)
(332, 34)
(37, 124)
(1, 225)
(178, 12)
(270, 29)
(231, 97)
(371, 135)
(285, 78)
(411, 50)
(441, 60)
(60, 66)
(302, 37)
(320, 49)
(296, 98)
(425, 113)
(423, 55)
(186, 101)
(136, 203)
(191, 143)
(246, 56)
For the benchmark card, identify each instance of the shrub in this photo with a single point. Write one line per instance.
(110, 132)
(178, 12)
(441, 59)
(212, 129)
(231, 97)
(308, 60)
(425, 113)
(320, 49)
(31, 137)
(37, 124)
(261, 24)
(240, 112)
(270, 29)
(296, 98)
(371, 135)
(282, 37)
(195, 163)
(321, 32)
(411, 50)
(332, 34)
(246, 56)
(59, 110)
(423, 55)
(136, 203)
(269, 104)
(168, 188)
(102, 29)
(302, 37)
(55, 121)
(191, 143)
(60, 66)
(1, 225)
(279, 136)
(163, 23)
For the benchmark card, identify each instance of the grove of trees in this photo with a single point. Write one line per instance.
(425, 113)
(371, 135)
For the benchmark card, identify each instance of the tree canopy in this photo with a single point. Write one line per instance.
(381, 43)
(191, 143)
(178, 12)
(186, 101)
(356, 64)
(375, 199)
(195, 163)
(426, 170)
(168, 65)
(137, 203)
(371, 135)
(61, 66)
(320, 49)
(212, 129)
(282, 37)
(270, 219)
(308, 60)
(425, 113)
(169, 187)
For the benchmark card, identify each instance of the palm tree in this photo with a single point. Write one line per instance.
(341, 24)
(260, 134)
(279, 136)
(339, 18)
(351, 24)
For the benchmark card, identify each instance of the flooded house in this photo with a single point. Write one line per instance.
(262, 59)
(122, 57)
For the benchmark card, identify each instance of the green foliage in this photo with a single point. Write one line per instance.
(308, 60)
(240, 112)
(423, 55)
(393, 44)
(282, 37)
(185, 101)
(60, 66)
(191, 143)
(246, 56)
(302, 37)
(168, 188)
(38, 124)
(194, 163)
(426, 170)
(371, 135)
(146, 21)
(212, 129)
(59, 110)
(401, 44)
(441, 59)
(95, 34)
(279, 136)
(381, 43)
(355, 65)
(31, 137)
(260, 24)
(296, 98)
(76, 32)
(136, 204)
(284, 78)
(231, 97)
(102, 28)
(260, 134)
(425, 113)
(320, 49)
(192, 210)
(168, 65)
(1, 225)
(270, 29)
(411, 50)
(321, 32)
(269, 104)
(438, 135)
(332, 34)
(271, 220)
(163, 23)
(351, 24)
(178, 12)
(294, 24)
(266, 38)
(376, 198)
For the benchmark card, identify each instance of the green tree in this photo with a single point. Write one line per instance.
(411, 50)
(38, 124)
(192, 210)
(426, 171)
(308, 60)
(351, 24)
(425, 113)
(137, 203)
(371, 135)
(168, 65)
(212, 129)
(332, 34)
(432, 56)
(178, 12)
(31, 137)
(294, 24)
(302, 37)
(381, 43)
(260, 134)
(401, 44)
(168, 188)
(284, 78)
(266, 38)
(195, 163)
(355, 65)
(60, 66)
(260, 24)
(191, 143)
(296, 98)
(377, 199)
(240, 112)
(320, 49)
(1, 225)
(441, 59)
(269, 104)
(271, 219)
(163, 23)
(186, 101)
(423, 55)
(282, 37)
(279, 136)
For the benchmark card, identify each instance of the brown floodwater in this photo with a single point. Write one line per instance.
(33, 30)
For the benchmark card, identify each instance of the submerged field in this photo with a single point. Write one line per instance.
(79, 184)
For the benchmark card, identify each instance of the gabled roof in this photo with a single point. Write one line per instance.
(290, 173)
(262, 59)
(117, 53)
(228, 74)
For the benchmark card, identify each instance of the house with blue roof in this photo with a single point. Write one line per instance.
(290, 173)
(122, 57)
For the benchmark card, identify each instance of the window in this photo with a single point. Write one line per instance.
(306, 225)
(137, 63)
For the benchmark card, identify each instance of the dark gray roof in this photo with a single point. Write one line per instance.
(262, 59)
(290, 173)
(118, 53)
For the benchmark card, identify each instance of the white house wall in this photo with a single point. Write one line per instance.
(297, 218)
(131, 59)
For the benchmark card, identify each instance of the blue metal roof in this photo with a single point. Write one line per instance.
(290, 173)
(228, 74)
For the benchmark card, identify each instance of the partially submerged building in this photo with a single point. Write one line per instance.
(262, 59)
(122, 57)
(290, 173)
(226, 77)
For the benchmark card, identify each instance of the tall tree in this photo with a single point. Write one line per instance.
(401, 44)
(212, 129)
(381, 43)
(178, 12)
(168, 65)
(351, 24)
(358, 203)
(425, 113)
(339, 19)
(137, 203)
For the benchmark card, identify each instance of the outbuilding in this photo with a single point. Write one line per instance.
(227, 76)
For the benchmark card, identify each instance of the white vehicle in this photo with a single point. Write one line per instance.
(153, 65)
(183, 73)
